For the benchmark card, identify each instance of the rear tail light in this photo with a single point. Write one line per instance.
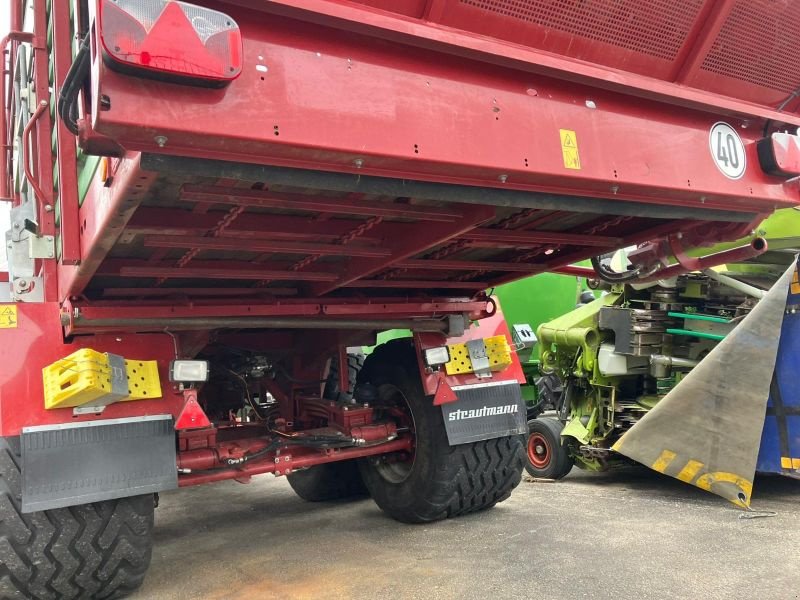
(779, 154)
(168, 39)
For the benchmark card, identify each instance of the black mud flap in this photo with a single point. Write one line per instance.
(78, 463)
(485, 411)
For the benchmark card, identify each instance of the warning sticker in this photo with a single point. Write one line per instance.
(569, 149)
(8, 316)
(795, 289)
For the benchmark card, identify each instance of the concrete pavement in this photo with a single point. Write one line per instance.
(626, 534)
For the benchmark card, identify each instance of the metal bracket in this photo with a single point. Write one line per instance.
(456, 325)
(24, 247)
(21, 216)
(523, 335)
(479, 359)
(27, 289)
(119, 387)
(524, 340)
(119, 381)
(41, 247)
(87, 410)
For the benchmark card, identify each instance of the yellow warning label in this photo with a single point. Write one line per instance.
(795, 283)
(8, 316)
(569, 149)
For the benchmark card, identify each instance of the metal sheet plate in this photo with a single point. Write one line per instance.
(485, 411)
(706, 430)
(77, 463)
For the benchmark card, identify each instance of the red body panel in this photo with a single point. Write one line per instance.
(485, 328)
(36, 342)
(736, 54)
(440, 118)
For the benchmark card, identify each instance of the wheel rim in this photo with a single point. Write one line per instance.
(393, 467)
(539, 451)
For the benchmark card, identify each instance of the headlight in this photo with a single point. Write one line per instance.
(188, 371)
(437, 356)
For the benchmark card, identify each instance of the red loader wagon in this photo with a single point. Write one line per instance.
(215, 204)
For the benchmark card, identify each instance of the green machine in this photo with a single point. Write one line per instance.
(615, 358)
(527, 304)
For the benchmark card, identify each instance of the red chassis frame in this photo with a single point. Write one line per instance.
(451, 107)
(203, 448)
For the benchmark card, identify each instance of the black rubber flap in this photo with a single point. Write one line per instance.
(77, 463)
(485, 411)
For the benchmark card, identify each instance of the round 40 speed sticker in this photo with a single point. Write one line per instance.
(727, 150)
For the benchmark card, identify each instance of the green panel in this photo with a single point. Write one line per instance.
(697, 334)
(536, 300)
(576, 429)
(86, 175)
(696, 317)
(53, 135)
(539, 299)
(386, 336)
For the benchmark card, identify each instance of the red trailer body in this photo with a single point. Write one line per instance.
(279, 180)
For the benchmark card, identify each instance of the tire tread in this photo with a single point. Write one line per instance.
(468, 477)
(561, 463)
(95, 551)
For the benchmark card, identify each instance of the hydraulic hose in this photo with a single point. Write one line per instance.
(610, 276)
(73, 82)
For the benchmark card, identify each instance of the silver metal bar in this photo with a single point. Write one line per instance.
(200, 323)
(739, 286)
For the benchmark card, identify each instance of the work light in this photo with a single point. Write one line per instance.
(437, 356)
(188, 371)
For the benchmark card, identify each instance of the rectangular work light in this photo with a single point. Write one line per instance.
(168, 39)
(437, 356)
(188, 371)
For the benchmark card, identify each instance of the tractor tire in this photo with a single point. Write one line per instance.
(98, 550)
(548, 456)
(440, 480)
(332, 481)
(332, 391)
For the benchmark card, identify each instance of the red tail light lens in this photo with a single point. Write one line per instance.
(170, 39)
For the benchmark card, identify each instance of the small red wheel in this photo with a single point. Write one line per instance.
(539, 452)
(547, 452)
